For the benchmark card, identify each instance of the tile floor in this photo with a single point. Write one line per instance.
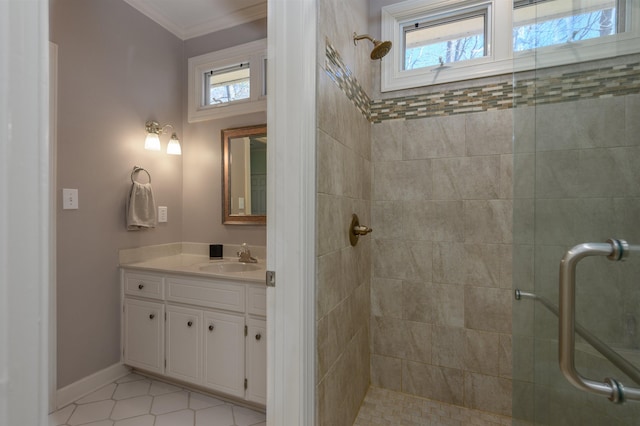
(135, 400)
(388, 408)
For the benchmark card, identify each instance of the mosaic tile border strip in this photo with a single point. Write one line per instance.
(602, 82)
(570, 86)
(344, 78)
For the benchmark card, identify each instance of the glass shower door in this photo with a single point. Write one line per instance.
(576, 180)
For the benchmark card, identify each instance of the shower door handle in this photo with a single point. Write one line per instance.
(616, 250)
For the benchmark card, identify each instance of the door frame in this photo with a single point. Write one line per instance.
(25, 197)
(291, 211)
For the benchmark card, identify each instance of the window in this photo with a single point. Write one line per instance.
(439, 41)
(551, 22)
(228, 82)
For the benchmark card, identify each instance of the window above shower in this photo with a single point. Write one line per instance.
(439, 41)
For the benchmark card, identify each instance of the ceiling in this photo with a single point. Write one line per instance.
(193, 18)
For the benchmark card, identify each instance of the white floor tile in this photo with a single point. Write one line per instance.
(131, 407)
(61, 416)
(136, 400)
(179, 418)
(99, 395)
(146, 420)
(198, 401)
(131, 389)
(91, 412)
(246, 417)
(170, 402)
(160, 388)
(221, 415)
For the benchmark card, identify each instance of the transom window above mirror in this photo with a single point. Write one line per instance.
(228, 82)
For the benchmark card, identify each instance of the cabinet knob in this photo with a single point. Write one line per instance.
(152, 316)
(258, 336)
(211, 327)
(190, 323)
(140, 286)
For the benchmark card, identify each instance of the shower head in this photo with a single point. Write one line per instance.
(380, 48)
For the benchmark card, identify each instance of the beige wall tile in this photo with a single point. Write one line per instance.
(402, 180)
(386, 372)
(329, 163)
(433, 220)
(401, 339)
(434, 137)
(487, 309)
(386, 219)
(592, 123)
(386, 140)
(439, 383)
(466, 178)
(482, 352)
(489, 132)
(448, 347)
(488, 221)
(404, 260)
(491, 393)
(386, 298)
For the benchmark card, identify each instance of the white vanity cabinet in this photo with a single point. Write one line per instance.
(143, 335)
(183, 346)
(224, 347)
(206, 331)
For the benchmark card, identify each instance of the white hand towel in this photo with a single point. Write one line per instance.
(141, 207)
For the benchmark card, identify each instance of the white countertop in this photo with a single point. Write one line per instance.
(190, 264)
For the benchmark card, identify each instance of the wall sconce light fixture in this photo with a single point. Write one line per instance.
(152, 142)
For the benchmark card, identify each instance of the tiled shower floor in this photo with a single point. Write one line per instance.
(135, 400)
(388, 408)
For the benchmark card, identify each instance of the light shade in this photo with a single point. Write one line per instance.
(173, 147)
(152, 142)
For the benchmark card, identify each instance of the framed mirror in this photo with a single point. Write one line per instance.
(244, 181)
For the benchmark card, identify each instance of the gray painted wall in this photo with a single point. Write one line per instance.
(202, 155)
(118, 69)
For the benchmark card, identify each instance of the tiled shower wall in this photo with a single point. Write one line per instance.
(441, 287)
(442, 212)
(343, 188)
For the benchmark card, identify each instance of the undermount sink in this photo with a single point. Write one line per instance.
(230, 267)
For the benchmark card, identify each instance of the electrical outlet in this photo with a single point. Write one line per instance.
(162, 214)
(69, 199)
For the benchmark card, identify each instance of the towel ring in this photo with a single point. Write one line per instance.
(137, 169)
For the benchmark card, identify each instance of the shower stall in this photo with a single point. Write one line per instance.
(577, 180)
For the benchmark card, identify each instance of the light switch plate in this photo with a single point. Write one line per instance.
(69, 199)
(162, 214)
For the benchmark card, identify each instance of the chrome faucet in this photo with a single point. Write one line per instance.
(244, 255)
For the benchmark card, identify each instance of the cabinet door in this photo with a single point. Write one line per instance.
(257, 361)
(144, 335)
(184, 343)
(224, 353)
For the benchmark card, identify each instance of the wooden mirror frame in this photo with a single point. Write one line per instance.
(227, 217)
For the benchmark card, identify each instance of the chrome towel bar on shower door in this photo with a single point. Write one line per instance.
(615, 250)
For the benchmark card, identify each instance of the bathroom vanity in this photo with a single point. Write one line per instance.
(199, 321)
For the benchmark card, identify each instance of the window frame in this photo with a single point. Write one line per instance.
(255, 54)
(482, 8)
(501, 58)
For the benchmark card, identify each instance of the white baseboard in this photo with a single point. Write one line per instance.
(86, 385)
